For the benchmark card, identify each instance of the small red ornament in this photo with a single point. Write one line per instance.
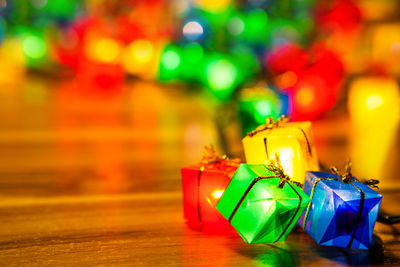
(203, 185)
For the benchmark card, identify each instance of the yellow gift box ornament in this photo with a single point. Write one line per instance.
(293, 141)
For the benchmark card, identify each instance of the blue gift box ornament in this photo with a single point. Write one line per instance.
(342, 211)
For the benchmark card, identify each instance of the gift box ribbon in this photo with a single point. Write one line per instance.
(347, 178)
(270, 124)
(276, 168)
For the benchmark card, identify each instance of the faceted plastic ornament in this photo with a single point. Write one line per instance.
(348, 211)
(258, 208)
(203, 185)
(293, 141)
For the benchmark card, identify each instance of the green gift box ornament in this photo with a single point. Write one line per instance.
(262, 203)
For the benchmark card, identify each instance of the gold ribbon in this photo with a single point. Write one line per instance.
(347, 177)
(210, 156)
(275, 166)
(270, 124)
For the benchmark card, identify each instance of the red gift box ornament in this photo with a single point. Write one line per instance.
(203, 185)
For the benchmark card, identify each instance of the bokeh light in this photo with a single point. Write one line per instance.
(33, 46)
(192, 30)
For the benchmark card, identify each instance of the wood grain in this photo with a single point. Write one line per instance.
(95, 180)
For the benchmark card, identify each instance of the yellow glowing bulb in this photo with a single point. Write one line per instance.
(105, 50)
(141, 51)
(373, 102)
(217, 193)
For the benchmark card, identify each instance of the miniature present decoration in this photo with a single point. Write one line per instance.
(261, 203)
(293, 141)
(203, 185)
(347, 208)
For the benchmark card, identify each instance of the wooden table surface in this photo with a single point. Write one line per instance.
(92, 177)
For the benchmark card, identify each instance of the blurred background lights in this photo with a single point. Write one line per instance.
(213, 5)
(104, 50)
(193, 52)
(193, 30)
(263, 110)
(373, 102)
(171, 59)
(235, 26)
(221, 74)
(33, 46)
(374, 99)
(141, 50)
(374, 107)
(38, 3)
(286, 79)
(304, 96)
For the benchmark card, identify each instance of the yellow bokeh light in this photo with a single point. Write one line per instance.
(373, 102)
(374, 107)
(217, 193)
(141, 51)
(105, 50)
(373, 99)
(213, 5)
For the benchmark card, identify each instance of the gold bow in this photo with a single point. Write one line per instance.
(347, 176)
(275, 166)
(270, 124)
(210, 156)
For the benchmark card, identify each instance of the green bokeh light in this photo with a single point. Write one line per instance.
(236, 25)
(221, 74)
(192, 62)
(170, 63)
(255, 105)
(34, 46)
(193, 52)
(263, 109)
(256, 26)
(171, 60)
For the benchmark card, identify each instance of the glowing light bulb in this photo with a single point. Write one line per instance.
(217, 193)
